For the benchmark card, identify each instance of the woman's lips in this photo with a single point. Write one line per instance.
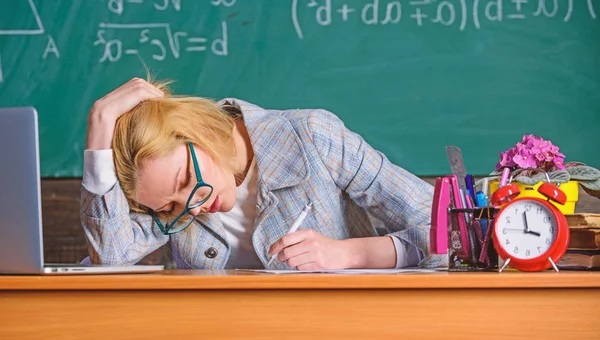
(215, 206)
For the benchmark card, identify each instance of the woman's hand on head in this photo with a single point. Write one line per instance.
(311, 250)
(106, 111)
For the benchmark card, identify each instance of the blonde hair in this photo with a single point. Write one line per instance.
(155, 127)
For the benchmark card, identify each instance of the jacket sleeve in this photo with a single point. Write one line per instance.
(114, 235)
(401, 200)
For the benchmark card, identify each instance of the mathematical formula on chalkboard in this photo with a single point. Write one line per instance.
(162, 40)
(458, 14)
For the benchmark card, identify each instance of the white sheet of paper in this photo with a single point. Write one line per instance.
(348, 271)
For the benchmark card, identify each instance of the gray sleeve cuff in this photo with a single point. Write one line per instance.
(407, 255)
(99, 175)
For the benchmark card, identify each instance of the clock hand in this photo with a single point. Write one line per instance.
(527, 231)
(513, 229)
(525, 222)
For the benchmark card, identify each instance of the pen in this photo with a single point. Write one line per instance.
(463, 198)
(470, 186)
(294, 227)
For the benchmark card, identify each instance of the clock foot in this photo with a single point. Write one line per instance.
(553, 264)
(504, 265)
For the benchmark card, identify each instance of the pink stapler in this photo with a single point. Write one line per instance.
(447, 194)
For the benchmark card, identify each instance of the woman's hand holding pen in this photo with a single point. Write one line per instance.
(106, 111)
(310, 250)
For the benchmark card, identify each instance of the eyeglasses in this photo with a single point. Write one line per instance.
(167, 222)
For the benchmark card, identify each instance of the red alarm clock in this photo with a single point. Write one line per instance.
(530, 233)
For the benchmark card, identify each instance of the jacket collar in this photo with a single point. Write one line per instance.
(280, 156)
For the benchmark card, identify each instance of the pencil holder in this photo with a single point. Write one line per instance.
(470, 245)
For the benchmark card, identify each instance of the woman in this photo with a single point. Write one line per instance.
(224, 181)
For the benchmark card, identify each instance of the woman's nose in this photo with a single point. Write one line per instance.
(196, 211)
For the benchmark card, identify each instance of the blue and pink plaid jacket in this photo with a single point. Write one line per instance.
(301, 156)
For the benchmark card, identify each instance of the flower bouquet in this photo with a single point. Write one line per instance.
(537, 154)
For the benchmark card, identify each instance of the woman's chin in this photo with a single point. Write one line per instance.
(225, 207)
(227, 200)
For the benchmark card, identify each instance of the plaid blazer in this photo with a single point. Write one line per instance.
(301, 156)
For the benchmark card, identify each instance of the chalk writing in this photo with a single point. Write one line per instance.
(226, 3)
(50, 47)
(117, 6)
(114, 49)
(451, 13)
(160, 41)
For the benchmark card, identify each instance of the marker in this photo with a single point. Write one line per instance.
(294, 227)
(470, 186)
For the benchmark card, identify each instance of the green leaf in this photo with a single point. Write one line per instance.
(584, 172)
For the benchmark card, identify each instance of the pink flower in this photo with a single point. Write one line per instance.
(559, 162)
(535, 143)
(527, 138)
(506, 159)
(532, 152)
(540, 157)
(554, 150)
(524, 159)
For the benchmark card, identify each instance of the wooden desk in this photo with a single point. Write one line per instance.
(243, 305)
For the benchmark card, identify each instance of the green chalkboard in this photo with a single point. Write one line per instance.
(410, 76)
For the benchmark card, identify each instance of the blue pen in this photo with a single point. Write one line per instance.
(470, 186)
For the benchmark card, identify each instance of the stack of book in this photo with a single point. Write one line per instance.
(584, 247)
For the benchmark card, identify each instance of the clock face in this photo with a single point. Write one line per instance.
(526, 229)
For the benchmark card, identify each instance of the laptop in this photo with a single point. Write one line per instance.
(21, 245)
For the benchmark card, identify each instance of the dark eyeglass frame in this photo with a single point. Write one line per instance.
(168, 229)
